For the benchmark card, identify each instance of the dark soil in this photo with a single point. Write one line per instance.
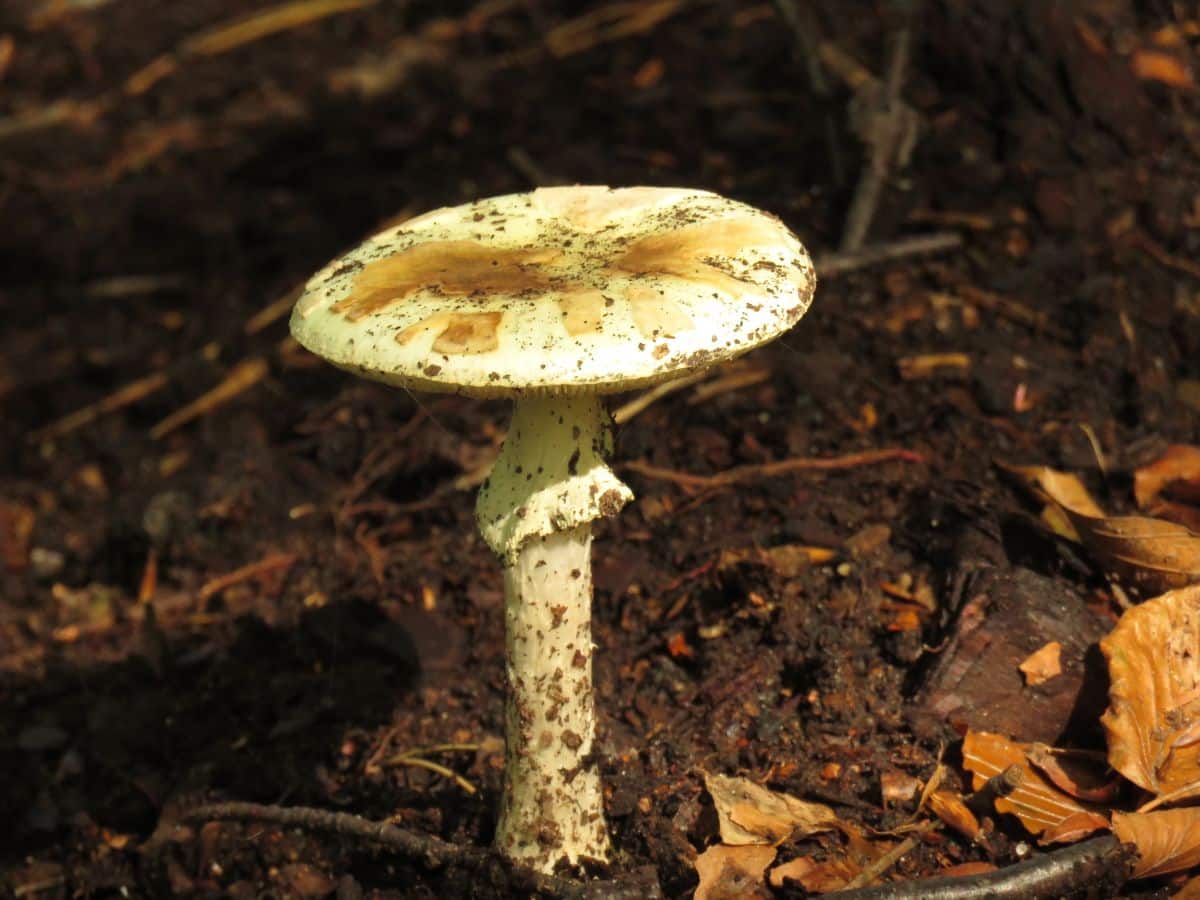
(145, 230)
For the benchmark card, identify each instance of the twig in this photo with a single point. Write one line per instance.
(433, 852)
(889, 859)
(889, 133)
(833, 264)
(244, 30)
(638, 404)
(245, 573)
(274, 311)
(1102, 861)
(240, 379)
(1143, 241)
(525, 164)
(734, 381)
(1013, 311)
(804, 32)
(739, 474)
(415, 756)
(118, 399)
(420, 762)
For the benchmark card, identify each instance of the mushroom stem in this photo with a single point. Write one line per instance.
(553, 806)
(536, 509)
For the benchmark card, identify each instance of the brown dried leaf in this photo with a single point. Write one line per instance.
(1062, 488)
(1150, 554)
(1167, 840)
(16, 529)
(1153, 719)
(1175, 473)
(1179, 513)
(1074, 828)
(950, 808)
(750, 814)
(1164, 67)
(732, 873)
(1043, 664)
(1075, 772)
(814, 877)
(1035, 801)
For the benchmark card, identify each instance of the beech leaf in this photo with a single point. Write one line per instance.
(1153, 718)
(1040, 806)
(751, 814)
(1167, 840)
(1151, 555)
(1175, 473)
(732, 873)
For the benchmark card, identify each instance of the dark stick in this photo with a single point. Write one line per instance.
(432, 851)
(1093, 868)
(886, 140)
(833, 264)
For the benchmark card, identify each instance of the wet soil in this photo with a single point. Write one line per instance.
(150, 220)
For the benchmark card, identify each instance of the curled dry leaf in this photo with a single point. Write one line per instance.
(1167, 840)
(950, 808)
(1171, 69)
(750, 814)
(1153, 718)
(1042, 664)
(1151, 555)
(1176, 474)
(1078, 772)
(1039, 805)
(815, 877)
(732, 873)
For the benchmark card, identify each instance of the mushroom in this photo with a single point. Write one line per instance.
(554, 298)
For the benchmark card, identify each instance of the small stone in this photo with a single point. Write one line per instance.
(45, 563)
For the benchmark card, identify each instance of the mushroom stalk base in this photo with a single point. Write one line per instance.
(553, 806)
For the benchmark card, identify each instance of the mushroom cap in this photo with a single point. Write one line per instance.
(558, 290)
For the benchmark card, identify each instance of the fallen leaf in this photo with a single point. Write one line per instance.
(950, 808)
(968, 868)
(1167, 840)
(898, 787)
(814, 877)
(1179, 513)
(1043, 664)
(1153, 718)
(1075, 772)
(732, 873)
(1152, 555)
(1163, 67)
(1074, 828)
(1061, 487)
(751, 814)
(1035, 801)
(1176, 473)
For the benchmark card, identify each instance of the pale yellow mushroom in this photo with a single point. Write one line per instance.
(555, 298)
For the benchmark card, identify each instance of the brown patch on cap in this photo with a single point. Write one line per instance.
(582, 311)
(458, 332)
(656, 315)
(684, 252)
(456, 268)
(591, 208)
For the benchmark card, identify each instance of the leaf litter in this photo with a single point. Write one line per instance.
(1150, 555)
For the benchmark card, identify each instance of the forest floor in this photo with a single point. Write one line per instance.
(280, 596)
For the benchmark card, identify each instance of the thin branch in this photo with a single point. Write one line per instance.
(433, 852)
(1064, 873)
(739, 474)
(889, 127)
(833, 264)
